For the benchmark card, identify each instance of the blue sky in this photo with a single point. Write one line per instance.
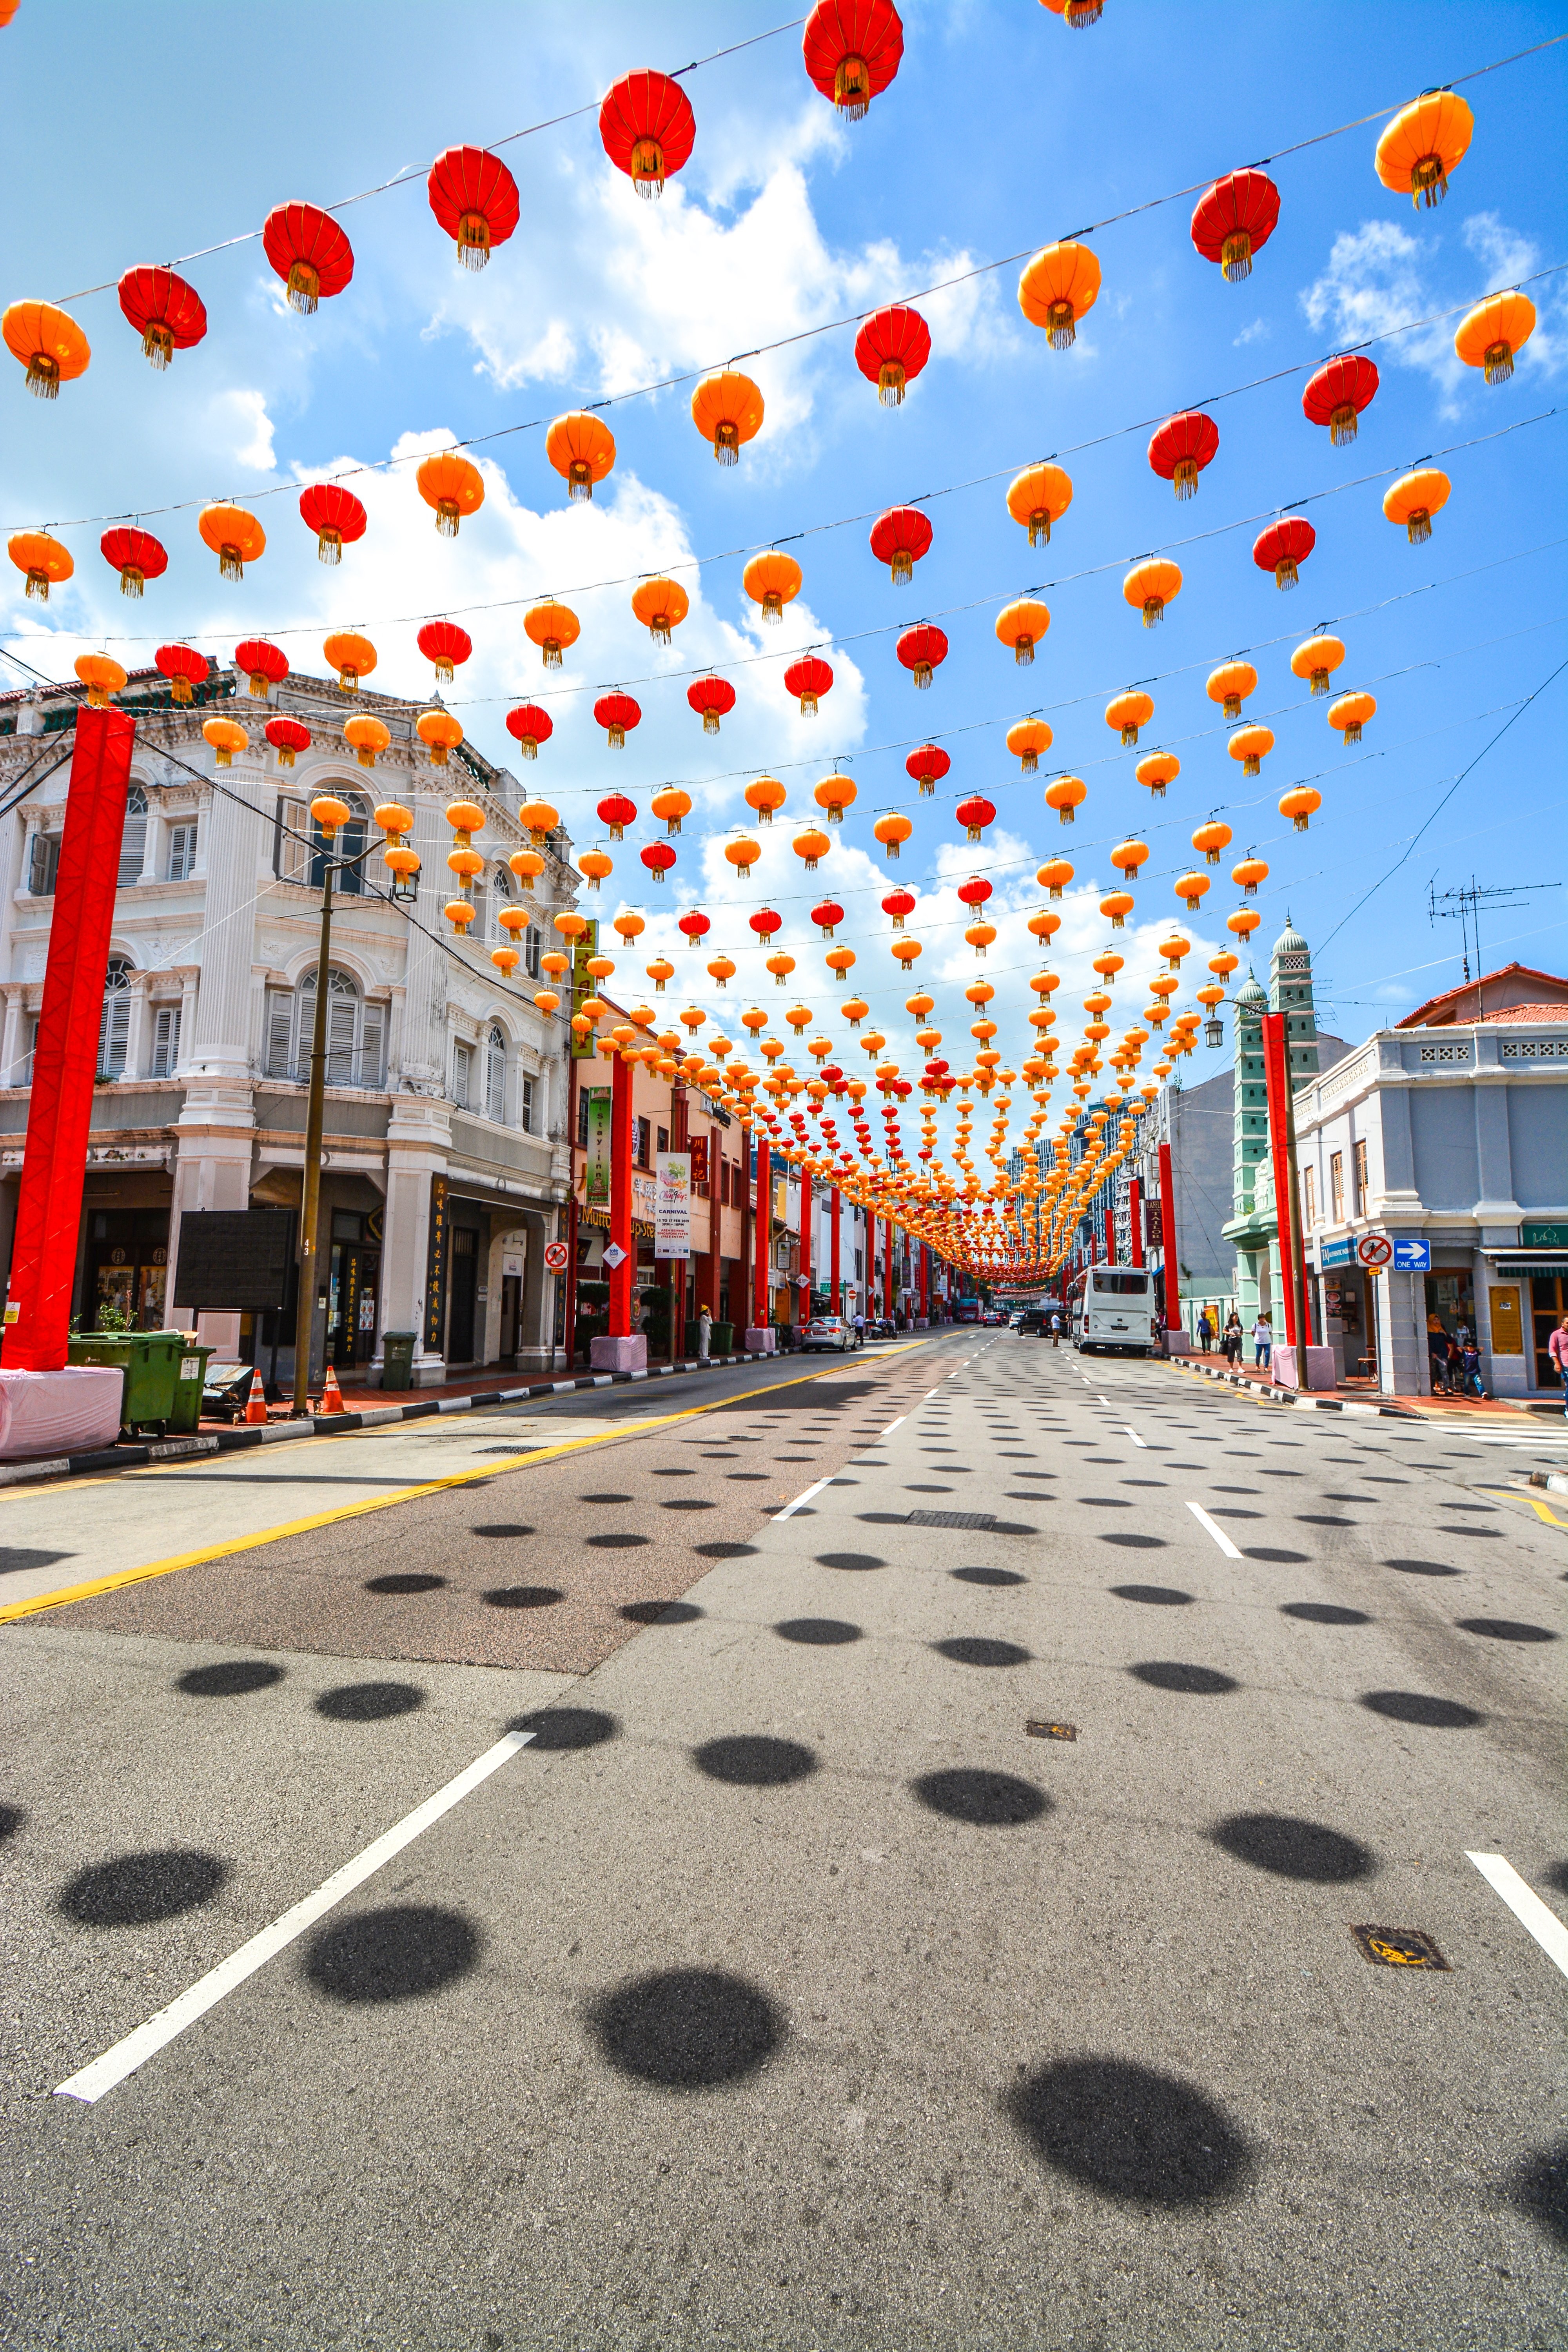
(1003, 130)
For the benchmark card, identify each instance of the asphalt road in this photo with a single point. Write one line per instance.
(790, 1985)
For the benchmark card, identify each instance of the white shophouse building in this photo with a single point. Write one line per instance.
(444, 1158)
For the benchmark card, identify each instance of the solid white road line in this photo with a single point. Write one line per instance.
(1526, 1906)
(790, 1509)
(114, 2065)
(1219, 1534)
(1132, 1433)
(892, 1426)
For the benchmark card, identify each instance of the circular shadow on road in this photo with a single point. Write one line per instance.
(1556, 1875)
(824, 1633)
(849, 1559)
(560, 1728)
(979, 1650)
(369, 1702)
(1294, 1849)
(404, 1584)
(1420, 1706)
(1322, 1612)
(499, 1527)
(1129, 2132)
(134, 1890)
(1176, 1674)
(661, 1612)
(398, 1953)
(1539, 2189)
(1158, 1596)
(10, 1820)
(1281, 1558)
(1422, 1568)
(621, 1542)
(1131, 1542)
(985, 1800)
(525, 1596)
(989, 1576)
(752, 1760)
(724, 1550)
(1505, 1629)
(687, 2029)
(230, 1678)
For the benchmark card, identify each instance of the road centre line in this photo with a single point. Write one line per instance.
(531, 1458)
(1526, 1906)
(92, 2082)
(1219, 1534)
(1132, 1433)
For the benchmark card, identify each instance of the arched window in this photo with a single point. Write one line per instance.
(356, 1033)
(495, 1076)
(349, 842)
(133, 840)
(531, 951)
(114, 1021)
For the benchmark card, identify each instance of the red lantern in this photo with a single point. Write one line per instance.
(336, 517)
(695, 927)
(474, 197)
(530, 727)
(898, 538)
(136, 555)
(827, 917)
(1181, 448)
(658, 857)
(974, 815)
(928, 763)
(648, 129)
(184, 668)
(309, 253)
(921, 649)
(615, 713)
(287, 738)
(617, 812)
(1336, 395)
(1283, 547)
(711, 698)
(168, 315)
(810, 678)
(891, 349)
(898, 903)
(264, 665)
(764, 922)
(852, 49)
(1234, 219)
(443, 643)
(975, 891)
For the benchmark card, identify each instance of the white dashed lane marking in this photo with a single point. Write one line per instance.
(1219, 1534)
(1526, 1906)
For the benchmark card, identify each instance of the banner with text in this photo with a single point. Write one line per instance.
(596, 1192)
(672, 1214)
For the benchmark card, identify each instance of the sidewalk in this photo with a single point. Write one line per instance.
(1366, 1393)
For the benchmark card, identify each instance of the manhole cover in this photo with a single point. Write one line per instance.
(1399, 1948)
(1039, 1730)
(975, 1520)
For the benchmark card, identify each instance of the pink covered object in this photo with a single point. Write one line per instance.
(69, 1412)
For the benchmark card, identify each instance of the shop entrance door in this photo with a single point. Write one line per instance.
(510, 1314)
(1548, 1299)
(463, 1262)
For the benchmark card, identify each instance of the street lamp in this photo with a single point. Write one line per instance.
(330, 814)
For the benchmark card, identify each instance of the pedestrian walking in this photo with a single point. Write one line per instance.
(1557, 1348)
(704, 1332)
(1470, 1379)
(1262, 1342)
(1437, 1352)
(1232, 1340)
(1056, 1330)
(1205, 1331)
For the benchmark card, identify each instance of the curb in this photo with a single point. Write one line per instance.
(1554, 1479)
(338, 1424)
(1288, 1396)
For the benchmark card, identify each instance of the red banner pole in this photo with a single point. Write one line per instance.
(1172, 1271)
(1277, 1083)
(621, 1199)
(807, 1199)
(763, 1232)
(836, 1303)
(65, 1059)
(1135, 1218)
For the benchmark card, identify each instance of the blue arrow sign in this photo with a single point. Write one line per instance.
(1412, 1257)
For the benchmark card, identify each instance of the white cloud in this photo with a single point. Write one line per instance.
(242, 421)
(1256, 333)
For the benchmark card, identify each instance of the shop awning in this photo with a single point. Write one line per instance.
(1549, 1264)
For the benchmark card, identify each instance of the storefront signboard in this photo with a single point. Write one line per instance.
(672, 1207)
(1339, 1252)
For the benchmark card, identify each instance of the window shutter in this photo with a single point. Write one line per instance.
(495, 1076)
(114, 1033)
(340, 1012)
(528, 1106)
(166, 1041)
(374, 1045)
(132, 848)
(291, 858)
(530, 953)
(279, 1028)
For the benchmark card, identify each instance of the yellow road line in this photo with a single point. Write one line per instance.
(125, 1576)
(1543, 1510)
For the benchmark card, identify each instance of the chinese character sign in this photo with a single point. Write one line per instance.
(597, 1193)
(672, 1214)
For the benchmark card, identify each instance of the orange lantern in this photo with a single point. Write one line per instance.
(439, 732)
(235, 537)
(671, 805)
(727, 409)
(771, 580)
(1494, 331)
(452, 486)
(1117, 904)
(1057, 288)
(1054, 876)
(528, 866)
(834, 795)
(1022, 624)
(1026, 740)
(48, 344)
(539, 821)
(1128, 856)
(352, 656)
(1211, 839)
(551, 627)
(595, 864)
(1064, 794)
(1157, 770)
(1243, 922)
(1127, 712)
(764, 796)
(1350, 714)
(742, 853)
(1038, 498)
(1300, 804)
(367, 736)
(43, 561)
(1249, 872)
(102, 676)
(1415, 499)
(582, 448)
(1423, 144)
(660, 605)
(227, 737)
(1230, 685)
(1317, 660)
(892, 831)
(1192, 888)
(813, 846)
(1251, 746)
(1150, 587)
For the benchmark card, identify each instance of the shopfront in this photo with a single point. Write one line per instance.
(354, 1287)
(1347, 1308)
(125, 1269)
(1527, 1292)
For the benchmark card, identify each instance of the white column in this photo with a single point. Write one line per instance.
(11, 1035)
(138, 1042)
(419, 1139)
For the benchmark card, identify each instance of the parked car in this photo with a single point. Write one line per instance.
(828, 1331)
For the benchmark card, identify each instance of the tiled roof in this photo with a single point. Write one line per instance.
(1556, 1012)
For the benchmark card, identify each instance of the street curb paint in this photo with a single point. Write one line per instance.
(1288, 1396)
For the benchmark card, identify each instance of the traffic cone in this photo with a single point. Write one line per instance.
(255, 1402)
(331, 1395)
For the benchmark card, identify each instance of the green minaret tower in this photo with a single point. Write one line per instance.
(1290, 992)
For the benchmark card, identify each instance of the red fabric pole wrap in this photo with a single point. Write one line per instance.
(1168, 1241)
(806, 1192)
(887, 1266)
(1135, 1218)
(621, 1200)
(1276, 1081)
(836, 1304)
(762, 1233)
(1109, 1236)
(65, 1060)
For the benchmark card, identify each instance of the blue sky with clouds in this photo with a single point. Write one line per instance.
(1003, 130)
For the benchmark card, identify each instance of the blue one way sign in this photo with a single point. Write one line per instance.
(1412, 1257)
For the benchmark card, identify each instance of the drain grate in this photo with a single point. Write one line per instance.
(1037, 1730)
(1399, 1948)
(975, 1521)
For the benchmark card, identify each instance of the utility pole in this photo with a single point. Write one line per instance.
(1464, 905)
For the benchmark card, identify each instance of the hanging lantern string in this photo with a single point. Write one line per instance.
(413, 172)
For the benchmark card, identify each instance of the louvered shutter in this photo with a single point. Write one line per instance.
(374, 1047)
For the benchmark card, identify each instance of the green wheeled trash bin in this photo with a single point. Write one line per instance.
(190, 1381)
(398, 1360)
(150, 1363)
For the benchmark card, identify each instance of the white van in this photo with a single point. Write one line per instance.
(1113, 1307)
